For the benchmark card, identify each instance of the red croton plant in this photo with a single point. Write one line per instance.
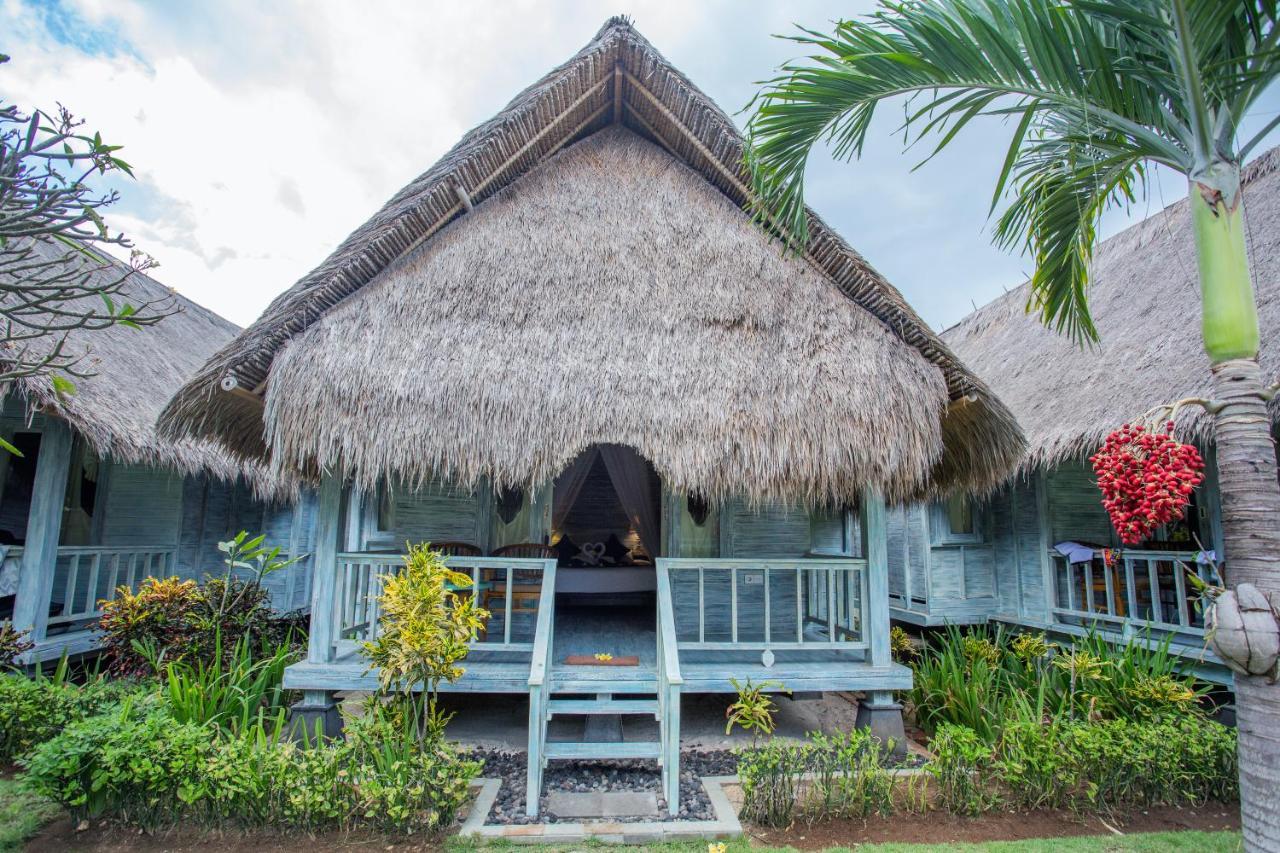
(1146, 479)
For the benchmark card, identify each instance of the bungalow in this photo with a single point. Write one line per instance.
(98, 501)
(567, 355)
(1041, 552)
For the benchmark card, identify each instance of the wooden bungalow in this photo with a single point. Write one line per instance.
(98, 501)
(568, 354)
(1041, 552)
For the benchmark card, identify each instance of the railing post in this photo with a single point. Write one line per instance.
(325, 569)
(44, 524)
(876, 549)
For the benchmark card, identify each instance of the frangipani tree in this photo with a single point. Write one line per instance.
(1096, 92)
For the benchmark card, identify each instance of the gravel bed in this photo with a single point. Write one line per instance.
(612, 775)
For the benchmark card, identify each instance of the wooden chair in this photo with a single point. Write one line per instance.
(457, 549)
(526, 550)
(526, 586)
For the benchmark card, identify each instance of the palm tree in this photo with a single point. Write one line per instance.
(1096, 93)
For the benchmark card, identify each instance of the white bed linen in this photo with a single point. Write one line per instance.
(623, 579)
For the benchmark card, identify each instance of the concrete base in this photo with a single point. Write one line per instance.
(883, 717)
(317, 710)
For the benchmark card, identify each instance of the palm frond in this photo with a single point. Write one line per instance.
(1093, 90)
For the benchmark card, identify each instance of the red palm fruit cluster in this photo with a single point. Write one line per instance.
(1146, 479)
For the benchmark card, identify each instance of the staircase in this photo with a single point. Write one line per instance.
(604, 704)
(594, 692)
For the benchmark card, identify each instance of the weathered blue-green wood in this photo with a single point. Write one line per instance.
(539, 690)
(142, 506)
(1044, 526)
(439, 512)
(1211, 491)
(776, 530)
(323, 586)
(1075, 505)
(872, 515)
(35, 583)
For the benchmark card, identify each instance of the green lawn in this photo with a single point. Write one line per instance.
(21, 815)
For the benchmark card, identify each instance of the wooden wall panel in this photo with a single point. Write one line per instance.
(438, 513)
(143, 506)
(1075, 506)
(771, 531)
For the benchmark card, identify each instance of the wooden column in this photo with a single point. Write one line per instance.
(44, 524)
(324, 566)
(875, 549)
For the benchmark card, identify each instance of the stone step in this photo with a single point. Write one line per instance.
(602, 706)
(625, 749)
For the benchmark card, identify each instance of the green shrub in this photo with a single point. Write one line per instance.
(1082, 764)
(135, 764)
(34, 709)
(839, 775)
(770, 774)
(961, 758)
(140, 766)
(980, 678)
(170, 619)
(231, 689)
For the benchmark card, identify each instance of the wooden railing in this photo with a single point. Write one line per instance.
(84, 577)
(725, 605)
(670, 683)
(512, 590)
(1141, 590)
(539, 692)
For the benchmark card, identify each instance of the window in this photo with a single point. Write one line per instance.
(386, 517)
(956, 521)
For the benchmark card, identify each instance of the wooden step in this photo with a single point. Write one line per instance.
(601, 680)
(639, 749)
(602, 706)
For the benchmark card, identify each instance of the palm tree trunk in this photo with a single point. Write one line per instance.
(1246, 457)
(1251, 528)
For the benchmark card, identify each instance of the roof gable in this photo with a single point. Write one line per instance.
(618, 78)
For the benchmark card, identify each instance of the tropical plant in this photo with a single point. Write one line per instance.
(229, 690)
(753, 710)
(35, 708)
(427, 623)
(168, 619)
(13, 645)
(1097, 92)
(55, 277)
(900, 644)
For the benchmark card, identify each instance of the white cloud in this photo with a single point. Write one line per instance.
(262, 134)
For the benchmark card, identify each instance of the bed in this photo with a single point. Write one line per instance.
(612, 580)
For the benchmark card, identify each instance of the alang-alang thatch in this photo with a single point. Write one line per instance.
(514, 305)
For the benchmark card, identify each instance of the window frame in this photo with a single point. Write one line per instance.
(940, 524)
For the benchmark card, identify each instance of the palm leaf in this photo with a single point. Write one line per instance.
(1094, 90)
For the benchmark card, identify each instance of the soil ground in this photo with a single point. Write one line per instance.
(932, 828)
(942, 828)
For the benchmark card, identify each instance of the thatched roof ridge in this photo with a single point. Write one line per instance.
(618, 78)
(1145, 299)
(611, 297)
(132, 373)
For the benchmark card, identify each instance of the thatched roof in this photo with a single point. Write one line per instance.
(959, 435)
(132, 373)
(1145, 298)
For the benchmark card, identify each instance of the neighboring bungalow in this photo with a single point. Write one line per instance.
(1041, 552)
(98, 501)
(568, 347)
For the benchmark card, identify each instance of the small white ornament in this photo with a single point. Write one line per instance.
(767, 658)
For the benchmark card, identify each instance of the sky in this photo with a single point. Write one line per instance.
(262, 134)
